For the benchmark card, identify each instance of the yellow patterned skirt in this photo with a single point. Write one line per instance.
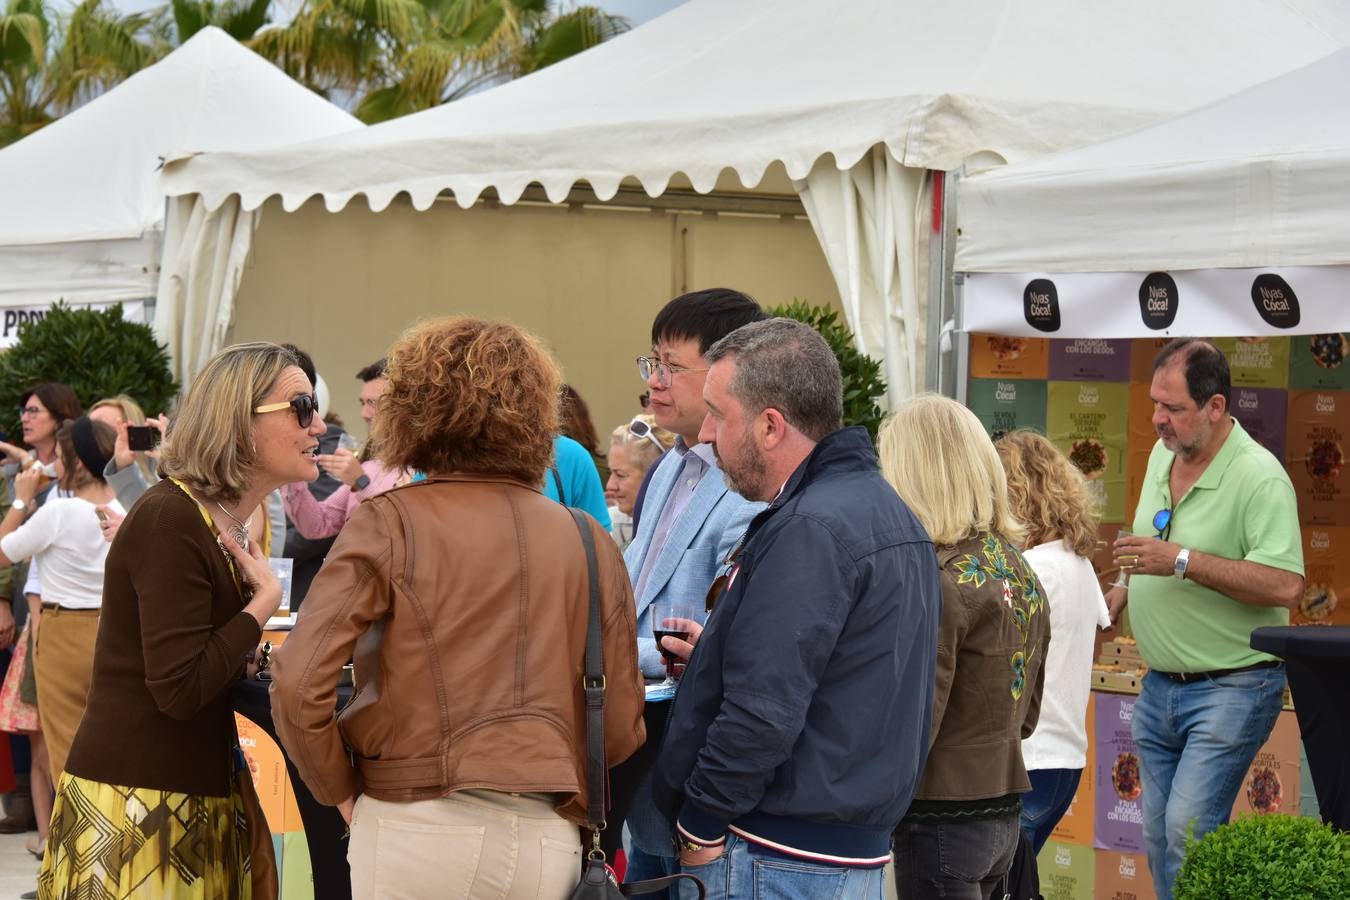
(116, 843)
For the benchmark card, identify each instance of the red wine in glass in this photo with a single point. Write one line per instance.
(670, 659)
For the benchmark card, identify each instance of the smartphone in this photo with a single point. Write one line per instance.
(102, 515)
(140, 437)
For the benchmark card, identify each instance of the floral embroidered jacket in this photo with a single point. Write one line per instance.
(992, 639)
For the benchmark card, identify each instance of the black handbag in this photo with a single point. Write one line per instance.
(596, 881)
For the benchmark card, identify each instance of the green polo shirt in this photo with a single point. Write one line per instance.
(1242, 507)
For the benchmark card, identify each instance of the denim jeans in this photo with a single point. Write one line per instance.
(1196, 742)
(963, 860)
(1051, 793)
(744, 873)
(643, 865)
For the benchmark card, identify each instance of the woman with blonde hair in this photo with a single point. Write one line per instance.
(463, 600)
(633, 449)
(155, 800)
(130, 473)
(1051, 499)
(961, 831)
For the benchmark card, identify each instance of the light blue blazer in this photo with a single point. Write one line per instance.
(699, 542)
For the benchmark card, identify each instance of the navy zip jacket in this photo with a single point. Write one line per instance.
(802, 722)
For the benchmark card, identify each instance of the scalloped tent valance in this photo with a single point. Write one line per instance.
(741, 84)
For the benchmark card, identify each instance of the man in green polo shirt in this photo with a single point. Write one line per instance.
(1215, 553)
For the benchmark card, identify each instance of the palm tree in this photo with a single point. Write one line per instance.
(51, 64)
(240, 19)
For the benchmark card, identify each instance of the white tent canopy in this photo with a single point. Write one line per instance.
(740, 84)
(83, 210)
(1255, 184)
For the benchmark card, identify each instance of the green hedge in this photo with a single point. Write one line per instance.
(1268, 857)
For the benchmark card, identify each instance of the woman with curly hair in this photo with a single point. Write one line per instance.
(961, 831)
(1050, 498)
(463, 600)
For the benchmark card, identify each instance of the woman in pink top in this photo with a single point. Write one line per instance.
(324, 518)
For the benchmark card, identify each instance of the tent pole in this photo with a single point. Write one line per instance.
(941, 365)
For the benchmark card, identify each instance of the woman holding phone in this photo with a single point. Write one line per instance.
(186, 595)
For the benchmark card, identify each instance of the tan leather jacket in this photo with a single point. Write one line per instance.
(463, 602)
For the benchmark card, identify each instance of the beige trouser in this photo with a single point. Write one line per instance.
(483, 845)
(64, 661)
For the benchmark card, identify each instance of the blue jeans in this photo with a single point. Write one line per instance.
(1051, 793)
(958, 860)
(742, 872)
(643, 865)
(1196, 742)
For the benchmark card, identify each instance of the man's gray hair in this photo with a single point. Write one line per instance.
(786, 365)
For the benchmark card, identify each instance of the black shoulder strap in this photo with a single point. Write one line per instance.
(593, 682)
(557, 479)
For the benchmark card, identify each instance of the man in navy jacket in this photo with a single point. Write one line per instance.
(800, 729)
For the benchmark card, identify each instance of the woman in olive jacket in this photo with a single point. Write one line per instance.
(463, 601)
(961, 831)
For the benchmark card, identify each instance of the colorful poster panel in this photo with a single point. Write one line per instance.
(1075, 826)
(1090, 359)
(1263, 412)
(1319, 425)
(1272, 785)
(1005, 404)
(994, 356)
(1320, 362)
(1257, 362)
(1123, 876)
(1142, 353)
(268, 768)
(1326, 564)
(1067, 871)
(1087, 421)
(1119, 783)
(1138, 445)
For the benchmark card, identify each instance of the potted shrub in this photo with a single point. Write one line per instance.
(97, 352)
(1266, 857)
(863, 384)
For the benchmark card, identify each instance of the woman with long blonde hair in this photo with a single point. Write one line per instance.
(1050, 498)
(961, 831)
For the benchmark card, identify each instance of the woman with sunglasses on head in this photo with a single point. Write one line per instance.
(1050, 497)
(186, 594)
(633, 449)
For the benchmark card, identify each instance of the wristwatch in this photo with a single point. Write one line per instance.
(1179, 567)
(361, 483)
(19, 504)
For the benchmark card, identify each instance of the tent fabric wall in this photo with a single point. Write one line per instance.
(866, 221)
(203, 264)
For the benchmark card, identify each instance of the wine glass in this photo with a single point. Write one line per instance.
(671, 618)
(1123, 572)
(347, 442)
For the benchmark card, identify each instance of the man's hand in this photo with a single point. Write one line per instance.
(1115, 603)
(342, 465)
(702, 857)
(1141, 555)
(682, 649)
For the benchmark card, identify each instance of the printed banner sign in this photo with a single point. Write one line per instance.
(1067, 871)
(1318, 428)
(1123, 876)
(12, 317)
(1223, 302)
(1120, 785)
(1271, 785)
(1003, 405)
(1087, 421)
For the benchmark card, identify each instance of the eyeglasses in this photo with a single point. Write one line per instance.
(665, 372)
(304, 407)
(640, 429)
(30, 411)
(1162, 523)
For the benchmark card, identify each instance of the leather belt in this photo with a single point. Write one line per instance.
(402, 774)
(1188, 677)
(48, 605)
